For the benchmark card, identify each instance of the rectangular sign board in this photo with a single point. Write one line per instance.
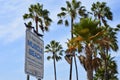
(34, 55)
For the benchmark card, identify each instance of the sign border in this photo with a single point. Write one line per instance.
(27, 72)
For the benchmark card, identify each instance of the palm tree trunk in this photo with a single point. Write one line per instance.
(89, 63)
(90, 74)
(70, 77)
(54, 66)
(36, 22)
(76, 67)
(89, 69)
(71, 28)
(99, 19)
(28, 77)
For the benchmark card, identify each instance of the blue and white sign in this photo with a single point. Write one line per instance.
(34, 55)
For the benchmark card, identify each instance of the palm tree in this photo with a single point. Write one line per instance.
(112, 70)
(109, 40)
(39, 15)
(55, 48)
(107, 43)
(73, 9)
(101, 12)
(87, 33)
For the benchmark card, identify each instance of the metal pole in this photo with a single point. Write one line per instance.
(37, 28)
(28, 77)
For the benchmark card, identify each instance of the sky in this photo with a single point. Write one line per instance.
(12, 38)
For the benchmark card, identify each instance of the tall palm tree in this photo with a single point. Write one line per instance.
(107, 43)
(112, 70)
(109, 40)
(87, 33)
(56, 49)
(101, 12)
(39, 15)
(72, 10)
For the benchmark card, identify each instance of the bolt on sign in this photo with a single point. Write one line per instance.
(34, 55)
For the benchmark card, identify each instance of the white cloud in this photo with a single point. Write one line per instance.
(12, 24)
(17, 31)
(12, 31)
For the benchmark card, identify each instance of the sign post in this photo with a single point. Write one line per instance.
(28, 77)
(34, 55)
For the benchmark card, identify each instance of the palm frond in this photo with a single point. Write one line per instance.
(39, 15)
(55, 48)
(60, 21)
(82, 60)
(68, 59)
(66, 23)
(49, 57)
(63, 9)
(96, 62)
(68, 4)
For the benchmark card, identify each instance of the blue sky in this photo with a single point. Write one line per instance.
(12, 38)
